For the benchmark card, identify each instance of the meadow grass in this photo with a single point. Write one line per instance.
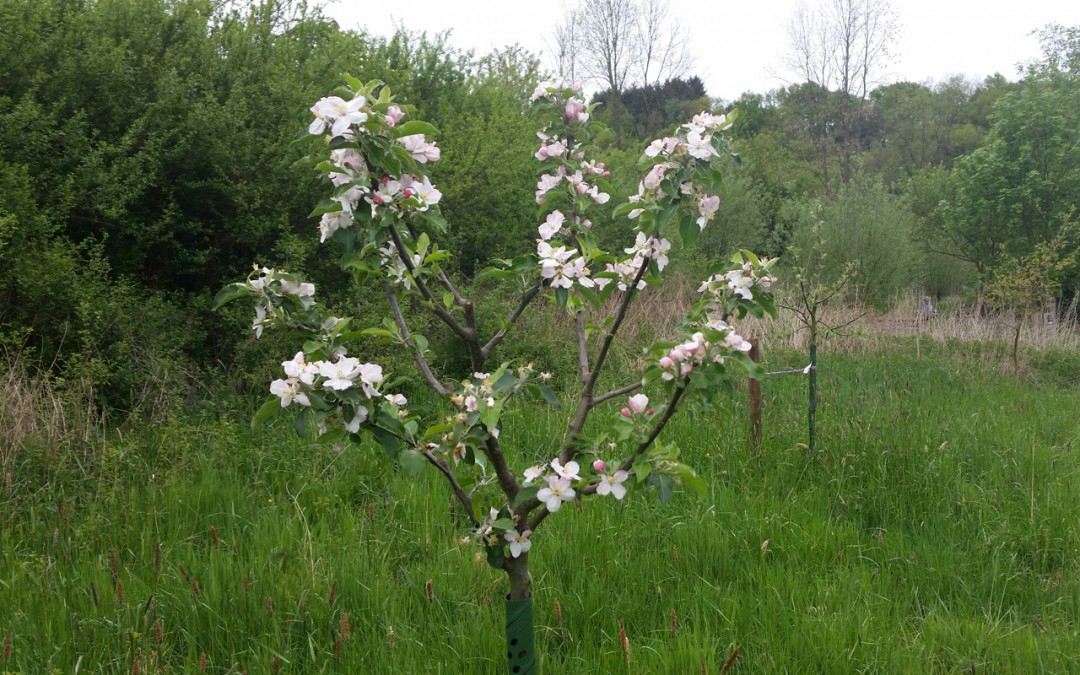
(935, 529)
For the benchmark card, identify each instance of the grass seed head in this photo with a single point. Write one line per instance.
(344, 629)
(390, 638)
(429, 590)
(558, 611)
(624, 642)
(7, 644)
(114, 566)
(674, 622)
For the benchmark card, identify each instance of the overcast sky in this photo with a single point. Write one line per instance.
(741, 47)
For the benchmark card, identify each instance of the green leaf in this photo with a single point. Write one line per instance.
(386, 439)
(549, 395)
(311, 347)
(354, 84)
(589, 295)
(525, 494)
(265, 412)
(664, 486)
(503, 524)
(230, 293)
(642, 470)
(411, 461)
(689, 231)
(435, 219)
(561, 296)
(490, 415)
(415, 127)
(379, 332)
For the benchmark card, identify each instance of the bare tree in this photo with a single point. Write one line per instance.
(664, 44)
(617, 44)
(843, 44)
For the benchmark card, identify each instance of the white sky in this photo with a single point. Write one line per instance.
(741, 47)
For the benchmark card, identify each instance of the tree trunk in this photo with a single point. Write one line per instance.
(520, 641)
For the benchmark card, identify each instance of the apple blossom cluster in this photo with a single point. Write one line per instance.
(740, 281)
(697, 141)
(342, 380)
(682, 359)
(368, 192)
(274, 291)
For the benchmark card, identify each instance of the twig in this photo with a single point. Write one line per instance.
(454, 484)
(615, 393)
(421, 360)
(514, 315)
(585, 404)
(660, 424)
(425, 292)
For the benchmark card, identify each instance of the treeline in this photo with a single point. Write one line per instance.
(145, 161)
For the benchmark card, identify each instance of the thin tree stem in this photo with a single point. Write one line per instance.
(418, 356)
(459, 492)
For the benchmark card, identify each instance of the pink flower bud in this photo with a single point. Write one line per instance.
(650, 411)
(599, 466)
(666, 362)
(625, 412)
(385, 180)
(408, 193)
(377, 200)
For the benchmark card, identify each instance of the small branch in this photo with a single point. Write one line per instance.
(465, 500)
(425, 292)
(421, 360)
(582, 346)
(538, 518)
(444, 280)
(660, 424)
(615, 393)
(585, 404)
(514, 315)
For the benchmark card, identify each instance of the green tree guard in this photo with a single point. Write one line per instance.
(520, 647)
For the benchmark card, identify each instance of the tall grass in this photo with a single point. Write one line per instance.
(935, 530)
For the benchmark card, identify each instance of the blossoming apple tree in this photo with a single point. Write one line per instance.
(382, 212)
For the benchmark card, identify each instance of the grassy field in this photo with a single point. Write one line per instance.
(935, 529)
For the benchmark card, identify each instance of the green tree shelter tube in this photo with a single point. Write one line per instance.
(520, 644)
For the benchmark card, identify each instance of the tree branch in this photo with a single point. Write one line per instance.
(586, 403)
(425, 292)
(514, 316)
(583, 346)
(660, 424)
(421, 360)
(615, 393)
(507, 481)
(465, 500)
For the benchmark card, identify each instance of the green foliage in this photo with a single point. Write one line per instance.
(938, 520)
(869, 228)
